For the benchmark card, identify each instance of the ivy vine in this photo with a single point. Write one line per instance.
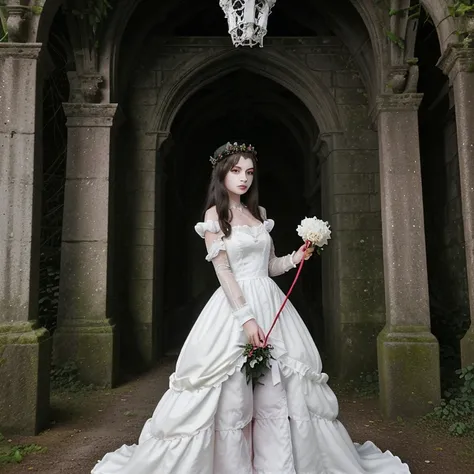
(413, 12)
(460, 9)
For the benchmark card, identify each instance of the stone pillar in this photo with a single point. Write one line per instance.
(408, 353)
(24, 347)
(86, 332)
(145, 214)
(458, 63)
(352, 264)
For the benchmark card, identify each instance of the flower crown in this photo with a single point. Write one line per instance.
(230, 149)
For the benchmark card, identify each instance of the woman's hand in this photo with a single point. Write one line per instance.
(254, 333)
(302, 253)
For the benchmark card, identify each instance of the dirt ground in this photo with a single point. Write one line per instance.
(87, 425)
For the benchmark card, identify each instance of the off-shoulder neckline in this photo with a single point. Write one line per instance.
(213, 226)
(247, 226)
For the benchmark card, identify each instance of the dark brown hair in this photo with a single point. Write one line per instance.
(217, 194)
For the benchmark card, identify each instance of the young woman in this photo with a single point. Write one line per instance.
(211, 421)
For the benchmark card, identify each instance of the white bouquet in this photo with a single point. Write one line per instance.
(314, 230)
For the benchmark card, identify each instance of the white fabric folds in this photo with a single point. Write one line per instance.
(210, 421)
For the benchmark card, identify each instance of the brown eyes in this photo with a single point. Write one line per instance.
(235, 170)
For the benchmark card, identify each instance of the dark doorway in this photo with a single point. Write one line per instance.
(239, 105)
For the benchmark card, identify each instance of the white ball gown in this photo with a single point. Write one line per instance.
(210, 421)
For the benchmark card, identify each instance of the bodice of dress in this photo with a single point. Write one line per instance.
(248, 247)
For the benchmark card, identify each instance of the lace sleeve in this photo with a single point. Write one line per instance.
(218, 256)
(279, 265)
(276, 265)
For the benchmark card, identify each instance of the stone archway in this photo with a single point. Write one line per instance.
(316, 72)
(346, 150)
(241, 104)
(306, 83)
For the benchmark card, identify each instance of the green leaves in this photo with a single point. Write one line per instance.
(257, 362)
(461, 8)
(15, 454)
(458, 404)
(412, 13)
(400, 42)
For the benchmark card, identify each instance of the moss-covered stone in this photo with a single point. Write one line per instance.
(24, 374)
(13, 334)
(408, 362)
(93, 346)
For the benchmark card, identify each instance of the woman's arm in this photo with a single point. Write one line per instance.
(240, 308)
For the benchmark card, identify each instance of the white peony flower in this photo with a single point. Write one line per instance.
(315, 230)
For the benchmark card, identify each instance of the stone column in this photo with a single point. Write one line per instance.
(458, 63)
(408, 353)
(146, 209)
(86, 332)
(352, 264)
(24, 347)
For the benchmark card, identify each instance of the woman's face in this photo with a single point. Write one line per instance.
(240, 177)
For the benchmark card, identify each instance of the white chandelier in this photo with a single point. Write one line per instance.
(247, 20)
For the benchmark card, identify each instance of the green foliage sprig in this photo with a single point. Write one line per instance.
(458, 405)
(257, 362)
(461, 8)
(14, 454)
(413, 11)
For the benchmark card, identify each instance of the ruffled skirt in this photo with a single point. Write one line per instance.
(210, 421)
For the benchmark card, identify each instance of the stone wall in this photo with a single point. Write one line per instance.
(353, 295)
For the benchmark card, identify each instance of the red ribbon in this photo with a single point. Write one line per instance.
(307, 244)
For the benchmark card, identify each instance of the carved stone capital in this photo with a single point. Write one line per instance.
(90, 86)
(457, 58)
(89, 115)
(396, 103)
(16, 27)
(85, 87)
(402, 79)
(20, 51)
(396, 79)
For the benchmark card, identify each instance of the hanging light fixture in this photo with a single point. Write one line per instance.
(247, 20)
